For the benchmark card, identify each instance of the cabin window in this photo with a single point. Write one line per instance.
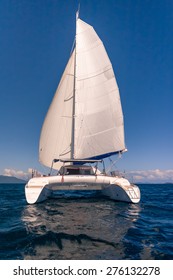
(74, 171)
(86, 172)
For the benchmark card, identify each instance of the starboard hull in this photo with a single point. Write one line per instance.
(116, 188)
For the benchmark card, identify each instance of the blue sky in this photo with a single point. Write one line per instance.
(36, 38)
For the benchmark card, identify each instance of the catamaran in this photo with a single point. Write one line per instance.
(84, 125)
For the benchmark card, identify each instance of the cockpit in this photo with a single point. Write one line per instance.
(76, 170)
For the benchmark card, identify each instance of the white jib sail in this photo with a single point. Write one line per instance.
(55, 139)
(98, 124)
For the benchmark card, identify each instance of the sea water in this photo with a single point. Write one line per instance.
(86, 227)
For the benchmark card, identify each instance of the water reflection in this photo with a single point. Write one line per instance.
(78, 228)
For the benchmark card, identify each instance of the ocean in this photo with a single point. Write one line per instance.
(85, 227)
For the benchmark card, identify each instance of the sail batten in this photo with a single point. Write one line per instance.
(85, 119)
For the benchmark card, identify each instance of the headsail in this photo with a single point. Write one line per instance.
(55, 138)
(88, 88)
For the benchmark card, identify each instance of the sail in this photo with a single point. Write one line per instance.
(99, 128)
(85, 117)
(55, 138)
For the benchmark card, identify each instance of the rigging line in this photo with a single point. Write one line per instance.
(69, 98)
(73, 47)
(114, 162)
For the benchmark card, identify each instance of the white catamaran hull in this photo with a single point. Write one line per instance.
(117, 188)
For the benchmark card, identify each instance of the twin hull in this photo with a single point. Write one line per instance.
(117, 188)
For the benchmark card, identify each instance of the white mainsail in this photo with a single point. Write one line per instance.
(85, 118)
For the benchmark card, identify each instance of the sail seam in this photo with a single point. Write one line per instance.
(100, 73)
(96, 44)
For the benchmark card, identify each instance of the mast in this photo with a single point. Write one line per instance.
(74, 93)
(87, 91)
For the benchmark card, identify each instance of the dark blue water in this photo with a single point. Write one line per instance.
(87, 228)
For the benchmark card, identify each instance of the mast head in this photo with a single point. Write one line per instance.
(77, 13)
